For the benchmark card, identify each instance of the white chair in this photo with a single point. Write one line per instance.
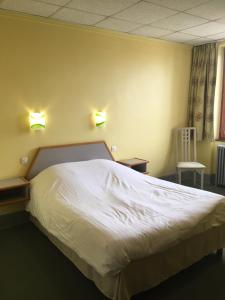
(186, 153)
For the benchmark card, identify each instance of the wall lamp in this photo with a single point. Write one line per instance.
(100, 118)
(37, 120)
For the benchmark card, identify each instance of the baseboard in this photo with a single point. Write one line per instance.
(14, 219)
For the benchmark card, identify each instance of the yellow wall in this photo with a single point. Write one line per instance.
(205, 155)
(68, 71)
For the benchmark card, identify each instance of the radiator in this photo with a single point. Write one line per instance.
(220, 169)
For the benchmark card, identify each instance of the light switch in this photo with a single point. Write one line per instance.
(114, 148)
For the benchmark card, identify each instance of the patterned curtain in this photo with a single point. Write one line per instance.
(222, 112)
(202, 90)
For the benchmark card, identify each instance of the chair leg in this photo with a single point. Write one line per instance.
(194, 178)
(179, 175)
(202, 179)
(219, 252)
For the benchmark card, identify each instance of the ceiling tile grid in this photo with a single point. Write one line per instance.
(145, 13)
(206, 29)
(56, 2)
(29, 7)
(180, 5)
(211, 10)
(179, 21)
(117, 25)
(102, 7)
(199, 41)
(184, 21)
(151, 31)
(180, 37)
(76, 16)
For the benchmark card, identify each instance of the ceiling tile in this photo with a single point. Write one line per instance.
(101, 7)
(218, 36)
(221, 20)
(212, 10)
(56, 2)
(76, 16)
(179, 37)
(145, 13)
(151, 31)
(179, 21)
(30, 7)
(206, 29)
(115, 24)
(178, 4)
(198, 41)
(152, 18)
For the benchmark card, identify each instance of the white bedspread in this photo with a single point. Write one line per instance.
(110, 215)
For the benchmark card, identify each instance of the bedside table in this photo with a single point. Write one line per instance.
(15, 190)
(136, 164)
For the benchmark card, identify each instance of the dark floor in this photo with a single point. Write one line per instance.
(32, 268)
(187, 179)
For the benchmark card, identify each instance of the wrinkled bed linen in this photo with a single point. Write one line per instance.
(111, 215)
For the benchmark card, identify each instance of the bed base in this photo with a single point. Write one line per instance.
(143, 274)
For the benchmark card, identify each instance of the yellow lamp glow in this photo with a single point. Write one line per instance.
(37, 120)
(100, 118)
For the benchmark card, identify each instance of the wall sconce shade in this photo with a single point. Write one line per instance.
(37, 121)
(100, 118)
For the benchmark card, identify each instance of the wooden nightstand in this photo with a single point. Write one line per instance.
(15, 190)
(136, 164)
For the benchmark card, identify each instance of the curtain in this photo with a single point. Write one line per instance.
(222, 115)
(202, 90)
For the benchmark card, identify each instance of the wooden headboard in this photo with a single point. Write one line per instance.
(52, 155)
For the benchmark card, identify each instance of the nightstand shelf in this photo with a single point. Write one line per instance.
(15, 190)
(136, 164)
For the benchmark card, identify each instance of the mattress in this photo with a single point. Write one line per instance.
(111, 216)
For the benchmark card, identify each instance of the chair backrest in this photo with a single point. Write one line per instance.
(186, 144)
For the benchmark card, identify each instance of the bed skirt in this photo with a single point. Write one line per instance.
(143, 274)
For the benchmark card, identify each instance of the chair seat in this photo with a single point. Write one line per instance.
(190, 165)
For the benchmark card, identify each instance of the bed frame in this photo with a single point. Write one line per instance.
(139, 275)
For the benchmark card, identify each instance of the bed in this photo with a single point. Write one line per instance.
(125, 231)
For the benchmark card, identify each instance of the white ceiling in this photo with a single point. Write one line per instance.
(185, 21)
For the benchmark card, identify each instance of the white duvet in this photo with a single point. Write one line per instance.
(110, 215)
